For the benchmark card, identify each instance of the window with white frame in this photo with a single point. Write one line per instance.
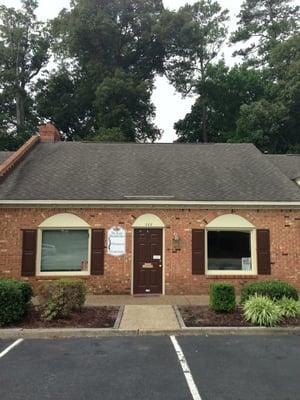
(64, 245)
(64, 250)
(230, 246)
(229, 251)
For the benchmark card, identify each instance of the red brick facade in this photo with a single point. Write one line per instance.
(284, 226)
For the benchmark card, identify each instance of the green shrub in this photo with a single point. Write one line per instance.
(26, 290)
(15, 298)
(59, 298)
(273, 289)
(262, 311)
(222, 297)
(290, 308)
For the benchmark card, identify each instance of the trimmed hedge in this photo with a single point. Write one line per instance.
(59, 298)
(222, 297)
(274, 289)
(15, 297)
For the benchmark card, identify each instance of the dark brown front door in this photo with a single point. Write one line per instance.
(148, 258)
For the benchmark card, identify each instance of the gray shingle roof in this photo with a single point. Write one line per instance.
(4, 155)
(99, 171)
(289, 164)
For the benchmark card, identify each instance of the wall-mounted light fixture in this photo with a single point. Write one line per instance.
(176, 242)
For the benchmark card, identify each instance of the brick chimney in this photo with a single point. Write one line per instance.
(48, 133)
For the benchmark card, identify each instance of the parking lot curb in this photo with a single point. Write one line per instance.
(57, 333)
(63, 333)
(179, 317)
(119, 317)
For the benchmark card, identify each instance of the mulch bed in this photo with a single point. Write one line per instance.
(88, 317)
(194, 316)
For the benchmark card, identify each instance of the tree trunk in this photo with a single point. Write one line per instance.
(20, 109)
(204, 123)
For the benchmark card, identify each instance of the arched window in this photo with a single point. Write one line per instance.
(64, 246)
(230, 246)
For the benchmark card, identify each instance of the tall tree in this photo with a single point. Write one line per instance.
(123, 103)
(225, 91)
(109, 43)
(106, 35)
(65, 98)
(273, 123)
(262, 25)
(194, 35)
(24, 44)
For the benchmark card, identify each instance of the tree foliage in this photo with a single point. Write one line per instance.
(107, 54)
(195, 35)
(225, 91)
(63, 98)
(262, 25)
(273, 123)
(123, 101)
(105, 35)
(245, 103)
(116, 49)
(24, 44)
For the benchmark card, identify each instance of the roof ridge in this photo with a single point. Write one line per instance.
(155, 143)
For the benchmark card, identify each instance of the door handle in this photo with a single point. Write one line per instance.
(160, 266)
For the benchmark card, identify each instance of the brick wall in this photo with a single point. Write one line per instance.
(284, 228)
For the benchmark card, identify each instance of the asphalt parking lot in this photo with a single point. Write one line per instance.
(148, 367)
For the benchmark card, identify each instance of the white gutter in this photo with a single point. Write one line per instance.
(152, 203)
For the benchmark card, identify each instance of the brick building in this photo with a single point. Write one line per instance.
(148, 218)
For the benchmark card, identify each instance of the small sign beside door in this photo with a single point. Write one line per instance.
(116, 241)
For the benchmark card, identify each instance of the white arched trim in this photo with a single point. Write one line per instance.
(148, 221)
(297, 180)
(64, 221)
(230, 221)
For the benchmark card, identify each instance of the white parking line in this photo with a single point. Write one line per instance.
(14, 344)
(186, 370)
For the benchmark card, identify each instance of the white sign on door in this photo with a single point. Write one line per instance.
(116, 241)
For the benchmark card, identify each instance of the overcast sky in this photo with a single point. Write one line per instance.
(170, 107)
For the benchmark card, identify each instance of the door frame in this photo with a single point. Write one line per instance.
(163, 258)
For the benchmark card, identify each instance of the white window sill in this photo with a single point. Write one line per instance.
(73, 273)
(230, 273)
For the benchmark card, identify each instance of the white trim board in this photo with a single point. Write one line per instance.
(149, 203)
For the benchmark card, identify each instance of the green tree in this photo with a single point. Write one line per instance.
(106, 43)
(262, 123)
(113, 34)
(62, 98)
(225, 91)
(273, 123)
(24, 44)
(194, 37)
(262, 25)
(123, 102)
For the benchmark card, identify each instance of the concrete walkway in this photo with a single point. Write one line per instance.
(119, 300)
(155, 317)
(147, 312)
